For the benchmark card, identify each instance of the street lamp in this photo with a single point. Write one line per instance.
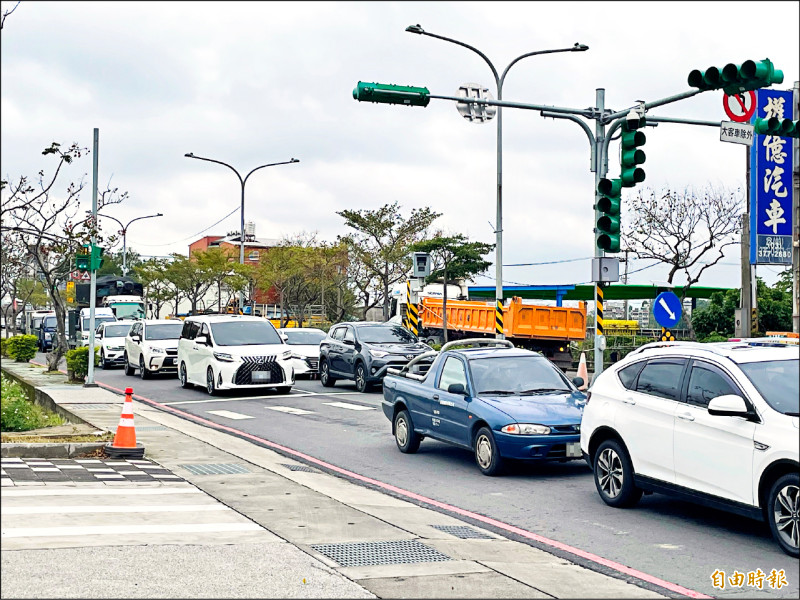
(125, 237)
(243, 182)
(499, 82)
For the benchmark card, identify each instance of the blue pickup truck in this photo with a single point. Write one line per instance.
(489, 397)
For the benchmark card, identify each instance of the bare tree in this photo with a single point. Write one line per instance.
(7, 13)
(688, 230)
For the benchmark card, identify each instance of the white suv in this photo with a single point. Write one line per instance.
(233, 351)
(111, 339)
(152, 347)
(715, 424)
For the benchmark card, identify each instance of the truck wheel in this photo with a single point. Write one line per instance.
(781, 511)
(361, 378)
(129, 370)
(486, 454)
(143, 372)
(407, 439)
(325, 377)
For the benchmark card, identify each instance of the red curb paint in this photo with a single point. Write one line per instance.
(673, 587)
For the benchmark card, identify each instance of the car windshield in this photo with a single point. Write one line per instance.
(523, 375)
(167, 331)
(778, 382)
(112, 331)
(244, 333)
(129, 310)
(304, 338)
(381, 334)
(97, 321)
(49, 323)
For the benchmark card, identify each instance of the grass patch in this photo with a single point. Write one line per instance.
(18, 413)
(9, 438)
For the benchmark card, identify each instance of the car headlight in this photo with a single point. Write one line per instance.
(287, 354)
(526, 429)
(154, 350)
(223, 356)
(379, 353)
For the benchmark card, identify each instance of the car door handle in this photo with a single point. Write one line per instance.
(686, 416)
(436, 396)
(629, 400)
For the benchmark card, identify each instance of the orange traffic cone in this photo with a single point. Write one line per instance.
(583, 372)
(124, 444)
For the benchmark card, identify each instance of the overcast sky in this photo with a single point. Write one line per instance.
(251, 83)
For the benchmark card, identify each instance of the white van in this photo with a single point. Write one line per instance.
(101, 315)
(222, 352)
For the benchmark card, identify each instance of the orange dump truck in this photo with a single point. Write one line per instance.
(546, 329)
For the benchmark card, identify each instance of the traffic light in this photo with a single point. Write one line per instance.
(775, 126)
(630, 155)
(82, 259)
(733, 79)
(96, 258)
(392, 94)
(608, 223)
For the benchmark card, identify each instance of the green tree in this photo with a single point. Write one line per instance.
(454, 258)
(112, 263)
(276, 270)
(223, 270)
(189, 277)
(380, 247)
(774, 304)
(718, 316)
(152, 274)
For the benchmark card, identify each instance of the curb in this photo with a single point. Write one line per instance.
(48, 450)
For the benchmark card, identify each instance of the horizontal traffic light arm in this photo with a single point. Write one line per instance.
(775, 126)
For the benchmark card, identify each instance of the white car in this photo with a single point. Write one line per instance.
(304, 342)
(111, 340)
(222, 352)
(152, 347)
(715, 424)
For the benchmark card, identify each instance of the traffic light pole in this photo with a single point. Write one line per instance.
(93, 273)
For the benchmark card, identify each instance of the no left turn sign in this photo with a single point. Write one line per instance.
(740, 107)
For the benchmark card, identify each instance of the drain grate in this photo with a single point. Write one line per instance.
(300, 468)
(463, 531)
(216, 469)
(364, 554)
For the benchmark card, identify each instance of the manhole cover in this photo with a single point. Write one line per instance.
(364, 554)
(463, 531)
(300, 468)
(216, 469)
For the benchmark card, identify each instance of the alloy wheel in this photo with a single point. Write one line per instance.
(785, 513)
(609, 472)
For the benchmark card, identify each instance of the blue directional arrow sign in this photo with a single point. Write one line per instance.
(667, 309)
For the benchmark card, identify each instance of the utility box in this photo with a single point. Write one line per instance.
(421, 264)
(605, 269)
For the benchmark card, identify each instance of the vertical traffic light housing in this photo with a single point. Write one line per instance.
(83, 258)
(609, 205)
(96, 260)
(630, 153)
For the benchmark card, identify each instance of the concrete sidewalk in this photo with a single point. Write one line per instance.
(350, 541)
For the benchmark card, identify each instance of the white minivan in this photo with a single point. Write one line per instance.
(222, 352)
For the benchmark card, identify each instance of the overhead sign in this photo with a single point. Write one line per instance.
(771, 185)
(667, 309)
(740, 107)
(738, 133)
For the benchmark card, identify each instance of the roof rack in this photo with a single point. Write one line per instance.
(477, 343)
(406, 370)
(698, 345)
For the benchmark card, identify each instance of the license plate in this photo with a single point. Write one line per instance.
(169, 361)
(260, 376)
(574, 450)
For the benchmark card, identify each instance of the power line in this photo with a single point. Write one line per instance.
(196, 234)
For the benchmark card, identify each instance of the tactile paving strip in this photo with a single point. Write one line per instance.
(216, 469)
(300, 468)
(463, 531)
(396, 552)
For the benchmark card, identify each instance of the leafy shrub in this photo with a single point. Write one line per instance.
(4, 347)
(78, 361)
(18, 413)
(22, 348)
(715, 337)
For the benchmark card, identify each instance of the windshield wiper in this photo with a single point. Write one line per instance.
(544, 390)
(495, 392)
(792, 414)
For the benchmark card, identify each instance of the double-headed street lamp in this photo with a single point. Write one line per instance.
(125, 237)
(243, 182)
(499, 225)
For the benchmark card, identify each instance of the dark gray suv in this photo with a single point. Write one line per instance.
(362, 351)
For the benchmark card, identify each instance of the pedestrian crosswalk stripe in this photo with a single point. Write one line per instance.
(46, 510)
(99, 491)
(291, 410)
(349, 406)
(17, 532)
(229, 414)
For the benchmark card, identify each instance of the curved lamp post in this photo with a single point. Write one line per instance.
(125, 237)
(242, 182)
(499, 79)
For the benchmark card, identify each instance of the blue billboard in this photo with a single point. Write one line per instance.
(771, 185)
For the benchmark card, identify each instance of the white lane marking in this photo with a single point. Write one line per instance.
(45, 470)
(291, 410)
(15, 466)
(62, 467)
(45, 510)
(292, 394)
(101, 470)
(349, 406)
(127, 529)
(108, 476)
(99, 491)
(228, 414)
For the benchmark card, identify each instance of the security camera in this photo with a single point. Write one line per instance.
(632, 116)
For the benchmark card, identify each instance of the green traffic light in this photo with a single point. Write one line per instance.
(775, 126)
(608, 223)
(391, 94)
(733, 79)
(705, 80)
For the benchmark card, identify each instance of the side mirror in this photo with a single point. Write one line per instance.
(136, 338)
(457, 388)
(729, 405)
(201, 339)
(349, 342)
(578, 382)
(284, 337)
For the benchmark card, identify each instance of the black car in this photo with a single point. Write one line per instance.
(362, 351)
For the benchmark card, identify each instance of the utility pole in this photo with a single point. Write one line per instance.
(625, 282)
(93, 281)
